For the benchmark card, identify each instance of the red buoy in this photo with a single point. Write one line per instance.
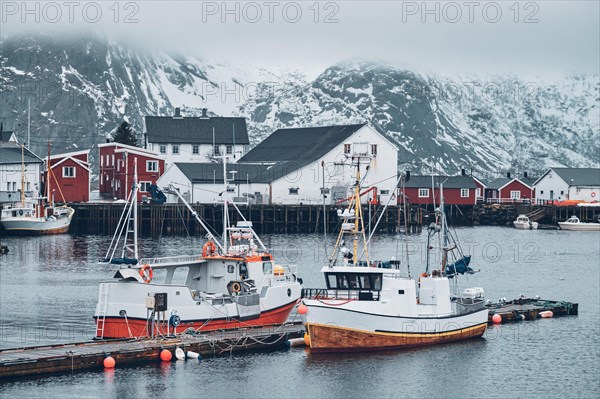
(496, 319)
(166, 355)
(303, 309)
(109, 362)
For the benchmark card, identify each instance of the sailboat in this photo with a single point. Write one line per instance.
(36, 215)
(233, 283)
(371, 304)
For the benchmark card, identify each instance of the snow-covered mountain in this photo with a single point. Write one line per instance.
(81, 89)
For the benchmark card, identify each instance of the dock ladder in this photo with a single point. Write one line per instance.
(102, 308)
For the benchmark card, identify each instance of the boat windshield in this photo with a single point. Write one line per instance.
(573, 219)
(353, 281)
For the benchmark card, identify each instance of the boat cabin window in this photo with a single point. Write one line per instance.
(243, 271)
(230, 269)
(353, 281)
(267, 267)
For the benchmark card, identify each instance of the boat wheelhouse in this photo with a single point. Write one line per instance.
(574, 224)
(523, 223)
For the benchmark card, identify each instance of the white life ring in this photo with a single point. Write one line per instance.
(593, 194)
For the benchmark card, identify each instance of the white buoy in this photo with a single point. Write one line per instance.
(179, 354)
(191, 355)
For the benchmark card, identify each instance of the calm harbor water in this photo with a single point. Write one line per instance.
(48, 291)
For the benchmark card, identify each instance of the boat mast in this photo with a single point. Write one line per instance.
(48, 199)
(28, 123)
(135, 210)
(443, 228)
(22, 175)
(225, 209)
(324, 209)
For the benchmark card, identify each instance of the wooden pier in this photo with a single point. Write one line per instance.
(530, 309)
(38, 360)
(175, 219)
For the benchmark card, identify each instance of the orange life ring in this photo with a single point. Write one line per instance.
(146, 273)
(593, 194)
(209, 249)
(236, 287)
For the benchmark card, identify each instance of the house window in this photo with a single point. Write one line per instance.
(151, 166)
(145, 186)
(229, 149)
(423, 193)
(562, 192)
(195, 149)
(163, 149)
(175, 149)
(373, 149)
(347, 148)
(542, 192)
(216, 150)
(8, 186)
(28, 186)
(68, 171)
(478, 192)
(464, 193)
(14, 186)
(294, 190)
(515, 194)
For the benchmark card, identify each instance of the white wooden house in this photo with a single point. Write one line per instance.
(12, 157)
(196, 139)
(289, 165)
(561, 184)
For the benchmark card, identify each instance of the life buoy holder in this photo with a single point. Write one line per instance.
(209, 249)
(236, 287)
(146, 273)
(593, 194)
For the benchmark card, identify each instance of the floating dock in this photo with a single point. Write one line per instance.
(530, 309)
(60, 358)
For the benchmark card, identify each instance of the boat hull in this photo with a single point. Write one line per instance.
(579, 226)
(119, 327)
(525, 226)
(37, 226)
(330, 338)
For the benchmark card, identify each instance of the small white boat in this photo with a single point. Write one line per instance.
(523, 223)
(573, 223)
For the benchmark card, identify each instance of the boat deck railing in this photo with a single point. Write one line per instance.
(350, 294)
(182, 259)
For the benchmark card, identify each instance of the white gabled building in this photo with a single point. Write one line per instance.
(196, 139)
(295, 157)
(561, 184)
(12, 157)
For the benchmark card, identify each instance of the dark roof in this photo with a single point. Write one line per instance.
(5, 135)
(10, 153)
(580, 176)
(213, 172)
(424, 181)
(300, 146)
(530, 181)
(196, 130)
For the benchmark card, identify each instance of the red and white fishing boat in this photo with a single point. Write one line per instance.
(375, 305)
(233, 283)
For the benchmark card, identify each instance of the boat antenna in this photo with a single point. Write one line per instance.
(406, 231)
(28, 123)
(225, 209)
(135, 209)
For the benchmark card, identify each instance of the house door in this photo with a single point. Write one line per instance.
(551, 194)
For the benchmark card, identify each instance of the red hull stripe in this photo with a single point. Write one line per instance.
(117, 327)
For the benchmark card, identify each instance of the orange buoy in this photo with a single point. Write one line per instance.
(546, 314)
(306, 339)
(303, 309)
(496, 319)
(166, 355)
(109, 362)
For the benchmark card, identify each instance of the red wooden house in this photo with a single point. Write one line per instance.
(117, 165)
(506, 190)
(425, 189)
(480, 190)
(69, 177)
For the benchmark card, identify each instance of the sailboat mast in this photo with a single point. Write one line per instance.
(356, 210)
(443, 228)
(28, 123)
(22, 175)
(324, 208)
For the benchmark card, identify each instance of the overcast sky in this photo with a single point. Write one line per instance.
(537, 38)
